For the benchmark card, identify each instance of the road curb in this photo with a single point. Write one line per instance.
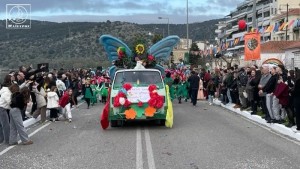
(280, 128)
(32, 121)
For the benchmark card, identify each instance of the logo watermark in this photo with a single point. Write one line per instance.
(18, 16)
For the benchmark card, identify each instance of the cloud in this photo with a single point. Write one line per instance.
(175, 9)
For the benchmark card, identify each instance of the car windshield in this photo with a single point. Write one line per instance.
(138, 78)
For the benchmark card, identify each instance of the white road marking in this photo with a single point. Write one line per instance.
(30, 135)
(139, 150)
(150, 157)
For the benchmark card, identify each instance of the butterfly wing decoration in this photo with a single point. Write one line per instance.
(163, 48)
(112, 71)
(111, 45)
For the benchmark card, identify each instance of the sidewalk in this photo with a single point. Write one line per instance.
(280, 128)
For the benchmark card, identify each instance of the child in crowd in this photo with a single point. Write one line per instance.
(65, 102)
(211, 89)
(87, 93)
(52, 103)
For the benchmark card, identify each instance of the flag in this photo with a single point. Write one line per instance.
(285, 25)
(268, 29)
(291, 23)
(252, 46)
(276, 28)
(281, 27)
(262, 30)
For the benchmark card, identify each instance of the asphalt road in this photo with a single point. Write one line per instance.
(202, 137)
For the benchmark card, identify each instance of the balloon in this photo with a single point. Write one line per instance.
(242, 24)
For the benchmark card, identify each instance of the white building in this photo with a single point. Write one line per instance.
(231, 39)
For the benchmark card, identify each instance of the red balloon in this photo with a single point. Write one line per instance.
(242, 24)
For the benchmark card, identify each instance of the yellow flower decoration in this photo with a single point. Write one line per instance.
(140, 49)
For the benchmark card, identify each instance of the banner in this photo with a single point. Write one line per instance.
(252, 46)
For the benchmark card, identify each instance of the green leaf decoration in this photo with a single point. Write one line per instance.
(139, 110)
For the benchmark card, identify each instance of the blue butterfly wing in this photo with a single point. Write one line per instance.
(163, 48)
(161, 69)
(112, 72)
(111, 45)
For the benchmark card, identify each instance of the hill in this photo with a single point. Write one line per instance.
(75, 44)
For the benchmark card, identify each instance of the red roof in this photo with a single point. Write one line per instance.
(293, 46)
(292, 12)
(278, 46)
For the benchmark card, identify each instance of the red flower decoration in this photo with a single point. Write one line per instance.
(127, 103)
(152, 102)
(151, 88)
(159, 104)
(116, 101)
(127, 86)
(140, 104)
(121, 94)
(150, 57)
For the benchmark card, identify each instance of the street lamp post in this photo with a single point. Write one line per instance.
(187, 24)
(168, 24)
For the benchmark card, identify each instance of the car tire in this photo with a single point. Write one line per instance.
(114, 123)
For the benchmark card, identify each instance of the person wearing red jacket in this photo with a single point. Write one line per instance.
(65, 102)
(281, 92)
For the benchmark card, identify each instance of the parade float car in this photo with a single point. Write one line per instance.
(144, 96)
(138, 91)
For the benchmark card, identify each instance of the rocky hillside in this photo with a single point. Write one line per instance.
(75, 44)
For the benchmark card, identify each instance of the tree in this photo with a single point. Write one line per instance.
(193, 54)
(156, 38)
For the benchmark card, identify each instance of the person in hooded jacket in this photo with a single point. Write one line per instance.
(5, 99)
(52, 103)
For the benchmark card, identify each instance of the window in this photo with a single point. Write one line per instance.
(272, 10)
(137, 78)
(275, 11)
(267, 14)
(250, 19)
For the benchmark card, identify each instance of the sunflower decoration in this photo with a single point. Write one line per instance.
(140, 49)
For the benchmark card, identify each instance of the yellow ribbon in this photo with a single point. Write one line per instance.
(169, 116)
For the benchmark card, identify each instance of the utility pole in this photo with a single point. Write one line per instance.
(254, 15)
(187, 24)
(287, 21)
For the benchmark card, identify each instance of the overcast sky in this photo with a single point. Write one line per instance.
(138, 11)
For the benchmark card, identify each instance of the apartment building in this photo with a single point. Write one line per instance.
(231, 40)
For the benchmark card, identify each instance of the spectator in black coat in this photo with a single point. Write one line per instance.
(194, 86)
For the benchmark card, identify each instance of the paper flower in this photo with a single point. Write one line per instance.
(127, 103)
(150, 57)
(121, 52)
(130, 114)
(139, 49)
(149, 111)
(127, 86)
(140, 104)
(116, 101)
(122, 100)
(151, 88)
